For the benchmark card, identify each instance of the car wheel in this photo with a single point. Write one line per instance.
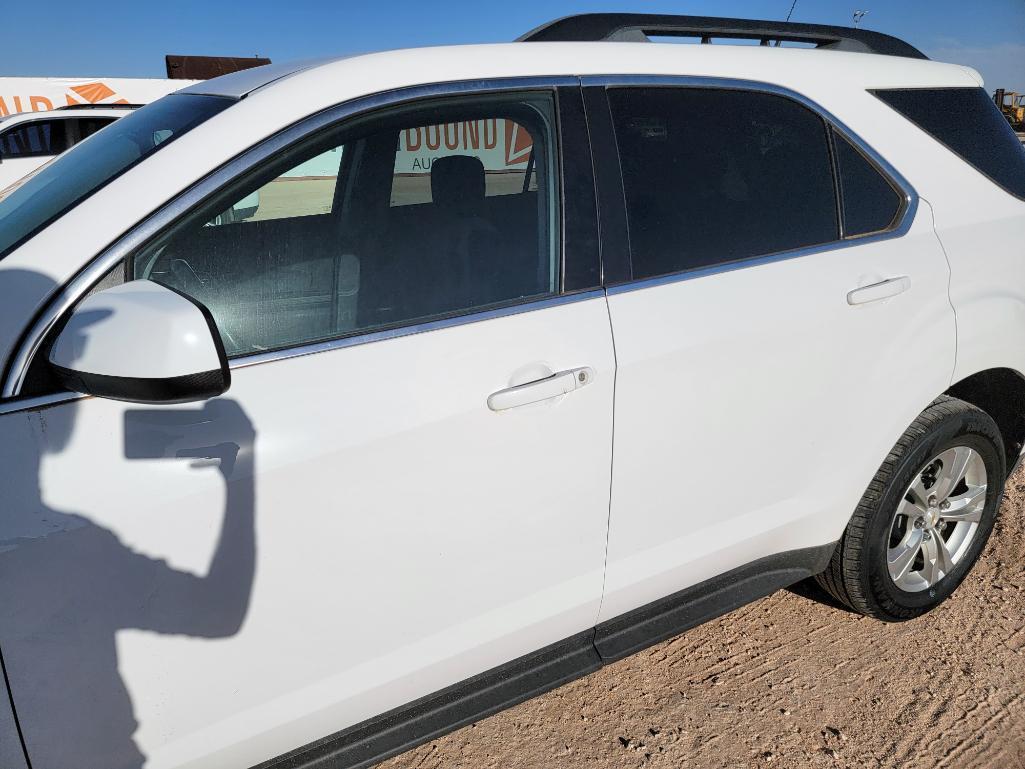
(925, 517)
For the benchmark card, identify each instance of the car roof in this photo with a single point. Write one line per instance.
(469, 62)
(239, 84)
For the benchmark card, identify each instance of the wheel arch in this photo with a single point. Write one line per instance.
(1000, 392)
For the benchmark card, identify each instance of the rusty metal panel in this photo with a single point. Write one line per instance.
(207, 67)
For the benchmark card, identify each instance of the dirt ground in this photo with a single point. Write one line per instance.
(792, 682)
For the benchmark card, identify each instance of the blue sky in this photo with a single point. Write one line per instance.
(78, 38)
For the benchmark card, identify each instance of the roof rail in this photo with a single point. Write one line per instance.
(636, 27)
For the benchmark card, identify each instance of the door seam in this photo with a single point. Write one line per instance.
(14, 711)
(950, 282)
(612, 459)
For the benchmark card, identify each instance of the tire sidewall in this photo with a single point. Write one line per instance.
(967, 428)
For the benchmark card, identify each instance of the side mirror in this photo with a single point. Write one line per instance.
(141, 342)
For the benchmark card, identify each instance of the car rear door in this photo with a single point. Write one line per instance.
(406, 485)
(771, 348)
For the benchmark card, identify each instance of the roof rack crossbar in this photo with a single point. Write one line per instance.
(638, 27)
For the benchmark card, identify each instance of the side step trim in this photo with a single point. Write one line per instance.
(436, 714)
(629, 633)
(494, 690)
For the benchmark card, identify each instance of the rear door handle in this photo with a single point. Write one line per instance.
(882, 290)
(552, 386)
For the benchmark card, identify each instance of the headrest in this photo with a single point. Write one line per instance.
(457, 184)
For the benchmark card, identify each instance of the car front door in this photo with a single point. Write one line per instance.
(771, 346)
(407, 483)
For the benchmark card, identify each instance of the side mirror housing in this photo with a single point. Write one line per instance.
(141, 342)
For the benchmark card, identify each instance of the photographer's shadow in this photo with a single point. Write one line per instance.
(67, 585)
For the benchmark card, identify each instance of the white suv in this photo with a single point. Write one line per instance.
(531, 356)
(30, 139)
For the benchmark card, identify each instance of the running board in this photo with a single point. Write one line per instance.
(638, 629)
(408, 726)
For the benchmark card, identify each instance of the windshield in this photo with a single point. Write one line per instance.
(30, 204)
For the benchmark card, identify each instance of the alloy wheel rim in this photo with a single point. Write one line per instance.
(936, 519)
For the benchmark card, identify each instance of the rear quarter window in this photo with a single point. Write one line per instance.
(870, 202)
(968, 123)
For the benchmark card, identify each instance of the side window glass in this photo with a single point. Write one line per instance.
(308, 189)
(87, 126)
(715, 176)
(39, 138)
(324, 253)
(870, 203)
(503, 147)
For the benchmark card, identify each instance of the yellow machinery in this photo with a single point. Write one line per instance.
(1013, 106)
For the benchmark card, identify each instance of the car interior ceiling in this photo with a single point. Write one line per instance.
(366, 264)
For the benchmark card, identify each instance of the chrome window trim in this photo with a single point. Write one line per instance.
(902, 223)
(45, 401)
(416, 328)
(39, 402)
(118, 251)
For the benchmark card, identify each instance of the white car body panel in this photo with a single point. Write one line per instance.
(409, 519)
(988, 284)
(12, 169)
(453, 564)
(12, 756)
(978, 225)
(981, 228)
(720, 376)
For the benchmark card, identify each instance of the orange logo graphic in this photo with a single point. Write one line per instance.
(87, 93)
(518, 143)
(93, 93)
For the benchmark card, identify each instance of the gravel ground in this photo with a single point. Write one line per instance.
(793, 682)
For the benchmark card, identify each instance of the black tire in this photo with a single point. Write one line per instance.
(857, 575)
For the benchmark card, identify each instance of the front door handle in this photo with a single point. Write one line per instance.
(552, 386)
(882, 290)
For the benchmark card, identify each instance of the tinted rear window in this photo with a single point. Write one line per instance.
(968, 122)
(870, 203)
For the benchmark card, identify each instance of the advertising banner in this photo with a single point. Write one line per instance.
(502, 145)
(35, 94)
